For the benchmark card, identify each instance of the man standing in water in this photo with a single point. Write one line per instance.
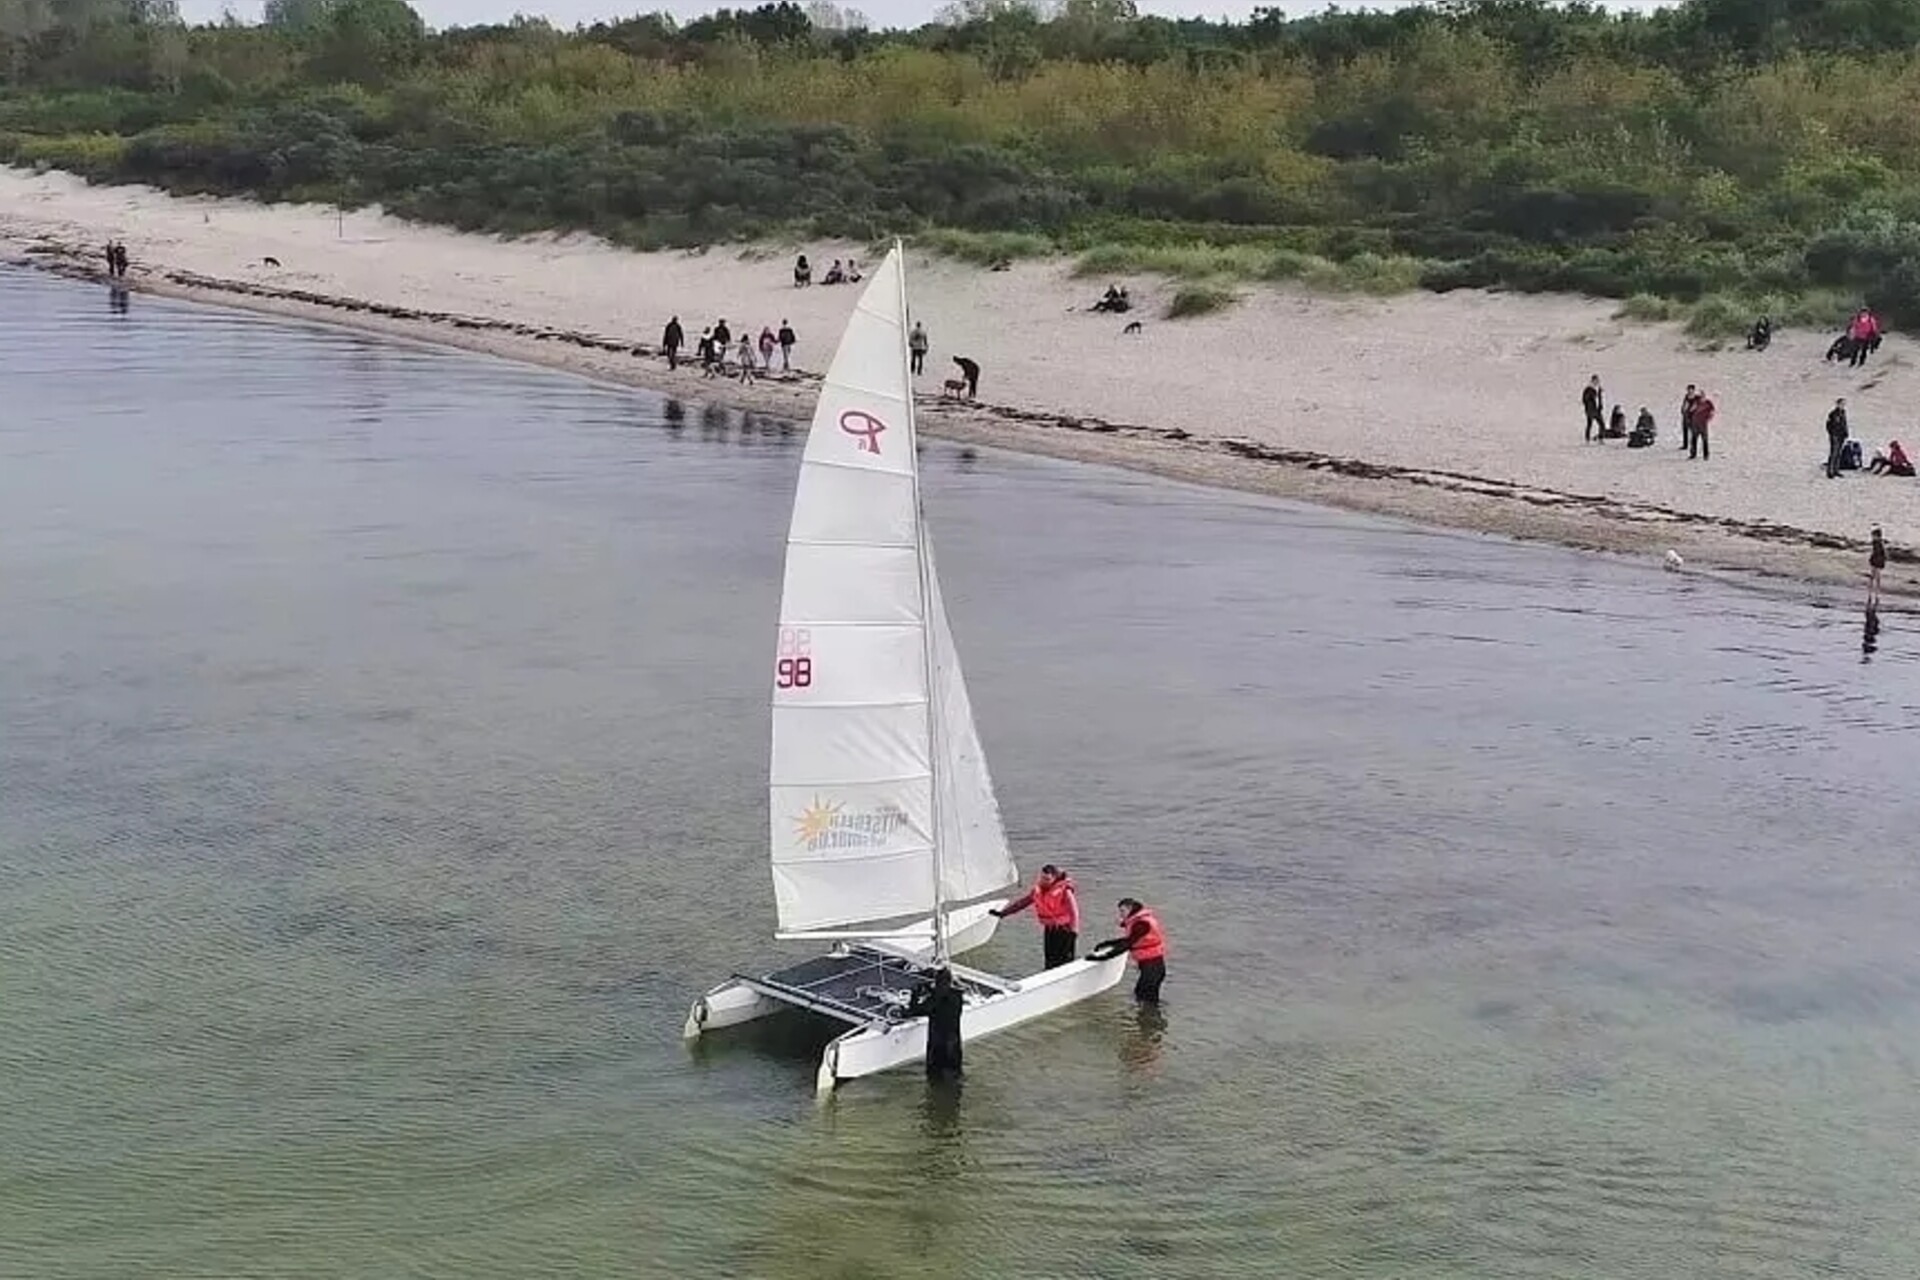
(1058, 909)
(971, 372)
(1147, 944)
(1876, 564)
(672, 340)
(940, 1003)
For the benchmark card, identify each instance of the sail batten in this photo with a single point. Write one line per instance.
(881, 806)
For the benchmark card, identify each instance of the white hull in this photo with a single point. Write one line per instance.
(882, 1046)
(732, 1003)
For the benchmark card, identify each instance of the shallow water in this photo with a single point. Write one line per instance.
(382, 743)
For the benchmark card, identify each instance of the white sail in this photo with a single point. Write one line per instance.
(974, 857)
(853, 809)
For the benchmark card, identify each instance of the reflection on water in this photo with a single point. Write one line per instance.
(385, 736)
(1870, 635)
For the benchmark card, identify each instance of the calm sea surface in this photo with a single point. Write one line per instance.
(382, 745)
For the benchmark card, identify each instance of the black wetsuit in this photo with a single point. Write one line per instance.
(1592, 399)
(671, 341)
(1837, 432)
(941, 1006)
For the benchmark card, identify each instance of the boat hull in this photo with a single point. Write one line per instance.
(732, 1003)
(883, 1046)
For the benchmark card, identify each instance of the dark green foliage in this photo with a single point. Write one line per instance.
(1727, 150)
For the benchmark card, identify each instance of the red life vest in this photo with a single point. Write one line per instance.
(1154, 945)
(1053, 903)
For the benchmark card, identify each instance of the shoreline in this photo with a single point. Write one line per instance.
(1824, 566)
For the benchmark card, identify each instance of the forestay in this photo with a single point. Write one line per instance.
(858, 751)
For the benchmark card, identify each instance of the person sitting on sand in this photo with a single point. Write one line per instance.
(1115, 301)
(1891, 461)
(853, 272)
(1761, 336)
(835, 274)
(802, 272)
(1643, 430)
(1617, 424)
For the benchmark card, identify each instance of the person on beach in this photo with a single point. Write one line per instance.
(1891, 462)
(971, 372)
(802, 272)
(1688, 404)
(722, 340)
(1617, 424)
(1837, 432)
(1702, 420)
(1644, 430)
(1146, 942)
(767, 344)
(1057, 908)
(835, 274)
(1594, 401)
(672, 340)
(1863, 335)
(745, 355)
(705, 352)
(1760, 337)
(112, 254)
(917, 348)
(1876, 562)
(941, 1004)
(787, 340)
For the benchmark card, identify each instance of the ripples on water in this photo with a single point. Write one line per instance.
(384, 735)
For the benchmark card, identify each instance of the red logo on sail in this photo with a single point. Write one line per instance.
(858, 422)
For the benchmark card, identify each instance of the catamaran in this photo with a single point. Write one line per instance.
(886, 841)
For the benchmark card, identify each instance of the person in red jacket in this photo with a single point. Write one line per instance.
(1701, 445)
(1058, 908)
(1145, 942)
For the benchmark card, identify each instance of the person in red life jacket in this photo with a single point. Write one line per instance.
(1863, 335)
(1058, 908)
(1146, 942)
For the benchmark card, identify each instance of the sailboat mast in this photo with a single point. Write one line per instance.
(935, 779)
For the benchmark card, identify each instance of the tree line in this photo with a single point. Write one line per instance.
(1758, 152)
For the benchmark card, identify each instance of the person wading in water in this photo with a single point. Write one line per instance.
(1145, 941)
(940, 1003)
(1058, 909)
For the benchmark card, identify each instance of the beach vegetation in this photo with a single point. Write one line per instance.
(1200, 298)
(1712, 148)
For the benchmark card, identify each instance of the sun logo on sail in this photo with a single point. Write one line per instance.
(816, 820)
(826, 825)
(858, 422)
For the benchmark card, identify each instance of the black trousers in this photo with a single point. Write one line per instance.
(1060, 943)
(1146, 988)
(919, 361)
(1834, 445)
(1701, 443)
(673, 357)
(1596, 425)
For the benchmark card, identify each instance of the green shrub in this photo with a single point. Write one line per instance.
(1649, 308)
(1203, 297)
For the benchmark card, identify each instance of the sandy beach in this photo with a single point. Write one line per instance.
(1460, 410)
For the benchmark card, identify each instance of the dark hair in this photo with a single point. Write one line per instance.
(1049, 870)
(1130, 905)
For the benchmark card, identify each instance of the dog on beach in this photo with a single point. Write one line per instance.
(269, 262)
(953, 389)
(1133, 326)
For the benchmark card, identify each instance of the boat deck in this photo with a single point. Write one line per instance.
(857, 985)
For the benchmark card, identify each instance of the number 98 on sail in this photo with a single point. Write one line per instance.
(793, 667)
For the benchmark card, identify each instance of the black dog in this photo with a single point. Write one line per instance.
(271, 262)
(1132, 327)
